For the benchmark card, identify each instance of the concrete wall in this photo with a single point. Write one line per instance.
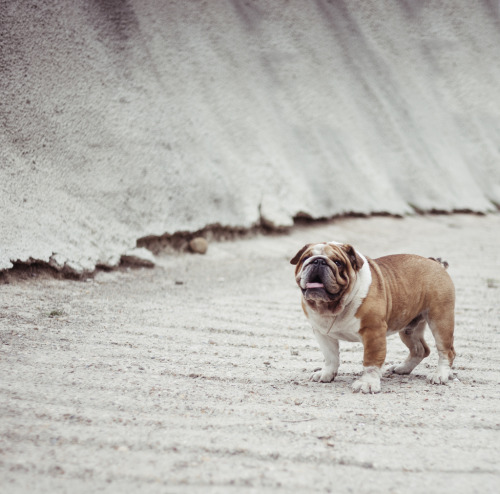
(124, 119)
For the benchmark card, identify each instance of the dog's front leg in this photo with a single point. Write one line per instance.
(330, 348)
(374, 343)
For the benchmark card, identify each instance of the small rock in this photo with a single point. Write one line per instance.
(298, 401)
(198, 245)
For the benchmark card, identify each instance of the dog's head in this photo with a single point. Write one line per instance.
(326, 272)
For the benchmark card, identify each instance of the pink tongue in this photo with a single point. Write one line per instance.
(314, 285)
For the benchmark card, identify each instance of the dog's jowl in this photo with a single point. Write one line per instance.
(347, 296)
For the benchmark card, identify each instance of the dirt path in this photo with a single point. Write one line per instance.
(192, 377)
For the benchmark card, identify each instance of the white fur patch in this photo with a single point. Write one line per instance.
(369, 382)
(330, 349)
(405, 367)
(443, 372)
(318, 249)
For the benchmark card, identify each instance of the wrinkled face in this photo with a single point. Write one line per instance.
(326, 272)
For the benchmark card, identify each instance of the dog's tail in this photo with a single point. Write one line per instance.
(440, 261)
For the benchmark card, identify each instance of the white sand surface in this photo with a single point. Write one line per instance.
(192, 377)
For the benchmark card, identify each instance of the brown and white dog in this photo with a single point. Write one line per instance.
(347, 296)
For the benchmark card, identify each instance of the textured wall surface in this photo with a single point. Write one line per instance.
(124, 119)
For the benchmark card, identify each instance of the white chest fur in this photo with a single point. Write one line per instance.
(344, 325)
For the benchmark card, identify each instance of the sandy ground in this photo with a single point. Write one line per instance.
(193, 376)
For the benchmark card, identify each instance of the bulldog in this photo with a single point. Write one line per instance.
(347, 296)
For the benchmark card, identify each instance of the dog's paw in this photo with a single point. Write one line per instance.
(365, 386)
(369, 382)
(323, 375)
(441, 376)
(399, 369)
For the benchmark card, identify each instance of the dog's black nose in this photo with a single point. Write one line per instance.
(319, 262)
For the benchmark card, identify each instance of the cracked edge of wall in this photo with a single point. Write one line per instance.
(143, 254)
(140, 256)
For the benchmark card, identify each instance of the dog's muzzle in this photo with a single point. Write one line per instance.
(316, 280)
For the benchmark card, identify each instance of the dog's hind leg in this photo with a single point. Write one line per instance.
(442, 325)
(413, 337)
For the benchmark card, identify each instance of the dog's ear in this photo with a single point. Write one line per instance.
(297, 256)
(354, 257)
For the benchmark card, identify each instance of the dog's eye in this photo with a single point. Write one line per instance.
(339, 264)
